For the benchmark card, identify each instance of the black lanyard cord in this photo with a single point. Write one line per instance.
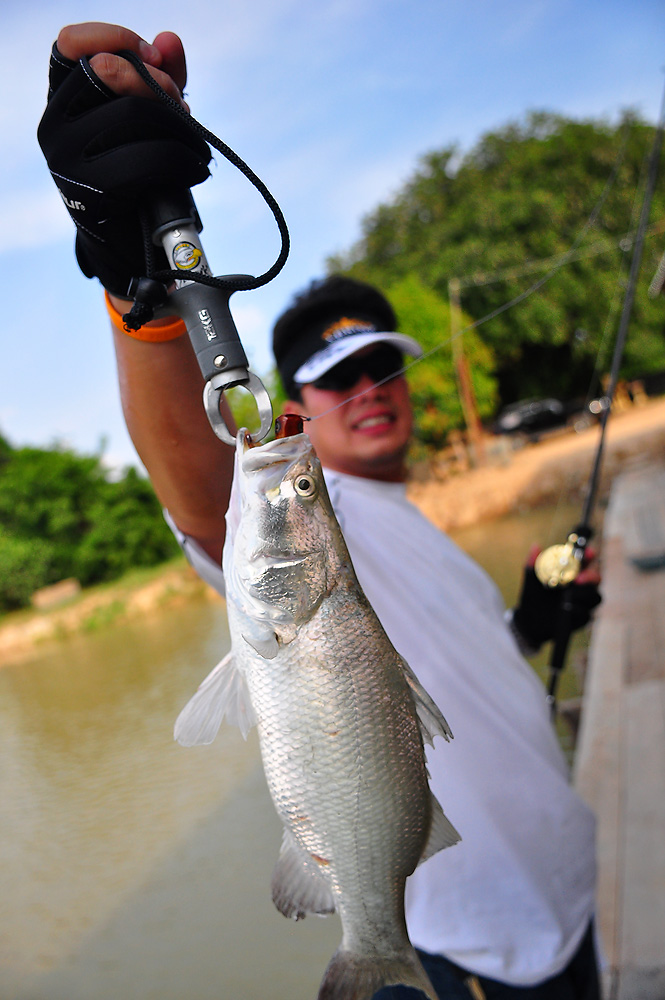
(236, 282)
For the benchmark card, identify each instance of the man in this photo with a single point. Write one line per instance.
(508, 912)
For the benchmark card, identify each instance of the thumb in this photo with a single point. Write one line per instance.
(534, 552)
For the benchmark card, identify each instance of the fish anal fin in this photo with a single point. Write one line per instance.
(223, 693)
(360, 976)
(442, 833)
(298, 884)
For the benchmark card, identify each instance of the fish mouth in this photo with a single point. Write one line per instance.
(281, 451)
(266, 465)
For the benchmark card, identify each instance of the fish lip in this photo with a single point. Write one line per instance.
(281, 451)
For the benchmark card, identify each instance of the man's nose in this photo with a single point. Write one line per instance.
(366, 384)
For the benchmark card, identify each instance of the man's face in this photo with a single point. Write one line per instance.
(363, 430)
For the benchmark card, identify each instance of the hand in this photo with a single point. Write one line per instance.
(164, 58)
(110, 143)
(537, 613)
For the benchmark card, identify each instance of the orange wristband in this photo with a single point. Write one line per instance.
(150, 334)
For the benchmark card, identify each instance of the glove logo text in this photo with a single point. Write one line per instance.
(73, 206)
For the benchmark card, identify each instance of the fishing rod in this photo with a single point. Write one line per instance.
(559, 565)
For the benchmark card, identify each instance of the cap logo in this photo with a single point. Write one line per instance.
(346, 327)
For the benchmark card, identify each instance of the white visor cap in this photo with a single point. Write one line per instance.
(338, 350)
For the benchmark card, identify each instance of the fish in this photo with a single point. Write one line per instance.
(342, 719)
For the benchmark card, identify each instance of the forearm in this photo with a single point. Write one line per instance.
(190, 468)
(160, 382)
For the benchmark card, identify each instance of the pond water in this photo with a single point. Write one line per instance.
(130, 866)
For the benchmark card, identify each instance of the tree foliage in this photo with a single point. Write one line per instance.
(243, 406)
(61, 515)
(503, 217)
(424, 315)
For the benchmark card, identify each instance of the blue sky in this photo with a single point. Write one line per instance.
(332, 103)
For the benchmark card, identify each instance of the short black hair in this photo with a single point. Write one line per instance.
(297, 332)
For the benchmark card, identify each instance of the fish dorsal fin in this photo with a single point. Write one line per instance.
(299, 885)
(432, 722)
(442, 833)
(223, 693)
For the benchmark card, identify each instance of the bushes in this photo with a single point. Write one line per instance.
(62, 516)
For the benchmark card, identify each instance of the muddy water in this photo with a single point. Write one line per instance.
(129, 866)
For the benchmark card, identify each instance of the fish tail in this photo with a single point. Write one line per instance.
(351, 976)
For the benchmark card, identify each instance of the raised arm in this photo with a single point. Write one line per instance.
(160, 382)
(161, 388)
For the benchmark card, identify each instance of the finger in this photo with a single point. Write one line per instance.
(534, 552)
(121, 77)
(588, 576)
(589, 555)
(172, 57)
(77, 40)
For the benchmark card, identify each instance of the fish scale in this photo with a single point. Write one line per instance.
(341, 719)
(297, 711)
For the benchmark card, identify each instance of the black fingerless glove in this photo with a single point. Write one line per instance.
(536, 616)
(109, 156)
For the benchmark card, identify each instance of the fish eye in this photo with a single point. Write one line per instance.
(305, 486)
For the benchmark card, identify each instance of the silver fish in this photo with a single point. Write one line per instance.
(341, 719)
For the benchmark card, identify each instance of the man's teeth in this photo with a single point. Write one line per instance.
(373, 421)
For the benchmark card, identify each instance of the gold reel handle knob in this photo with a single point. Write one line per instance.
(558, 565)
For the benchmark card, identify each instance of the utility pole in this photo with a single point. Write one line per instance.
(467, 395)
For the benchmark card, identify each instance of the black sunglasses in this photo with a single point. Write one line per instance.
(382, 363)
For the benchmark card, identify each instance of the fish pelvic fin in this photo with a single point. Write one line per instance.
(357, 977)
(442, 833)
(223, 693)
(431, 720)
(298, 884)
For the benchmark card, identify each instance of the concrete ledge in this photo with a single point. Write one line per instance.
(620, 762)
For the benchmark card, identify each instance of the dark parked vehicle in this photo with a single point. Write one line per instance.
(530, 416)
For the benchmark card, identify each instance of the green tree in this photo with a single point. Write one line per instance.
(502, 217)
(46, 496)
(424, 315)
(243, 406)
(24, 567)
(125, 529)
(61, 515)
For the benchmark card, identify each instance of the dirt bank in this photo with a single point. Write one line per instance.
(550, 470)
(136, 595)
(555, 468)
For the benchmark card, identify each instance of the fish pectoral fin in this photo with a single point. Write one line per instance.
(442, 833)
(260, 637)
(223, 693)
(430, 717)
(267, 648)
(298, 884)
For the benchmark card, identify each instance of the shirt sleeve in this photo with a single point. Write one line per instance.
(202, 564)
